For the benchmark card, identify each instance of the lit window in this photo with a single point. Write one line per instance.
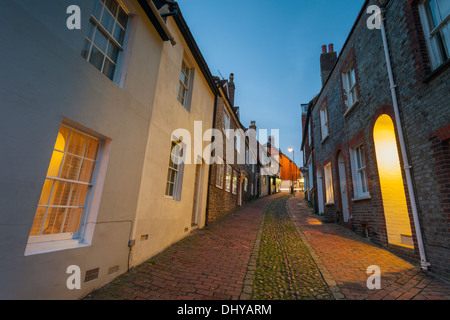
(235, 180)
(67, 187)
(436, 25)
(184, 85)
(219, 174)
(228, 178)
(175, 172)
(324, 123)
(105, 41)
(349, 82)
(245, 184)
(329, 184)
(359, 172)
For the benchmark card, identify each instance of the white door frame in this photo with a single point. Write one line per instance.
(343, 187)
(320, 192)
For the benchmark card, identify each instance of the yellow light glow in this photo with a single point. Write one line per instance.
(57, 157)
(391, 180)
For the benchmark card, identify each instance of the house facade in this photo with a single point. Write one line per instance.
(289, 174)
(100, 114)
(173, 196)
(376, 137)
(234, 175)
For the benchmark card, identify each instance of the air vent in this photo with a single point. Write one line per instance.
(91, 275)
(114, 269)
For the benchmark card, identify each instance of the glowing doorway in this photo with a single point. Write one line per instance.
(391, 182)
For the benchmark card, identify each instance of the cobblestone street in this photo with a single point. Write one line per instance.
(273, 249)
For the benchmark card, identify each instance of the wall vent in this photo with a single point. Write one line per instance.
(114, 269)
(91, 275)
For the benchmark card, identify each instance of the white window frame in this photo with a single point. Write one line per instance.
(188, 72)
(309, 134)
(179, 172)
(324, 124)
(84, 236)
(432, 33)
(226, 121)
(228, 182)
(220, 171)
(329, 191)
(247, 155)
(358, 171)
(350, 87)
(234, 182)
(95, 25)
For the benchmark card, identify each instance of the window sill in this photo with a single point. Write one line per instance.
(361, 198)
(325, 139)
(328, 204)
(436, 72)
(52, 246)
(349, 109)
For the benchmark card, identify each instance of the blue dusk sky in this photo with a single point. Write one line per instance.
(273, 48)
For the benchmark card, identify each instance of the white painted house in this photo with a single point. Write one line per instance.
(86, 121)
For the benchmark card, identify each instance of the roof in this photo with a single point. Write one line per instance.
(151, 8)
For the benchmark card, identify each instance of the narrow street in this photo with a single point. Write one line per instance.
(273, 249)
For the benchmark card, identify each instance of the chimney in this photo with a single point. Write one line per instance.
(231, 89)
(253, 125)
(327, 61)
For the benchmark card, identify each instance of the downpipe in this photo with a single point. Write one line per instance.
(407, 166)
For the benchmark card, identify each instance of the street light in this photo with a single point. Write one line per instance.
(293, 156)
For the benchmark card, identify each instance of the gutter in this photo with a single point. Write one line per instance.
(153, 14)
(407, 166)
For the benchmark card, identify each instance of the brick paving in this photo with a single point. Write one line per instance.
(272, 249)
(211, 264)
(285, 270)
(343, 258)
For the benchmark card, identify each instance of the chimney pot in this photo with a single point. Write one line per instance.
(331, 48)
(324, 49)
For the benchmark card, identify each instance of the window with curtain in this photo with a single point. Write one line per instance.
(69, 180)
(235, 182)
(329, 184)
(228, 177)
(219, 174)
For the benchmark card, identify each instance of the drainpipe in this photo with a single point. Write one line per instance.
(408, 167)
(161, 21)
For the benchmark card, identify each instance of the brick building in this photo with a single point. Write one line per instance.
(376, 138)
(289, 173)
(235, 181)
